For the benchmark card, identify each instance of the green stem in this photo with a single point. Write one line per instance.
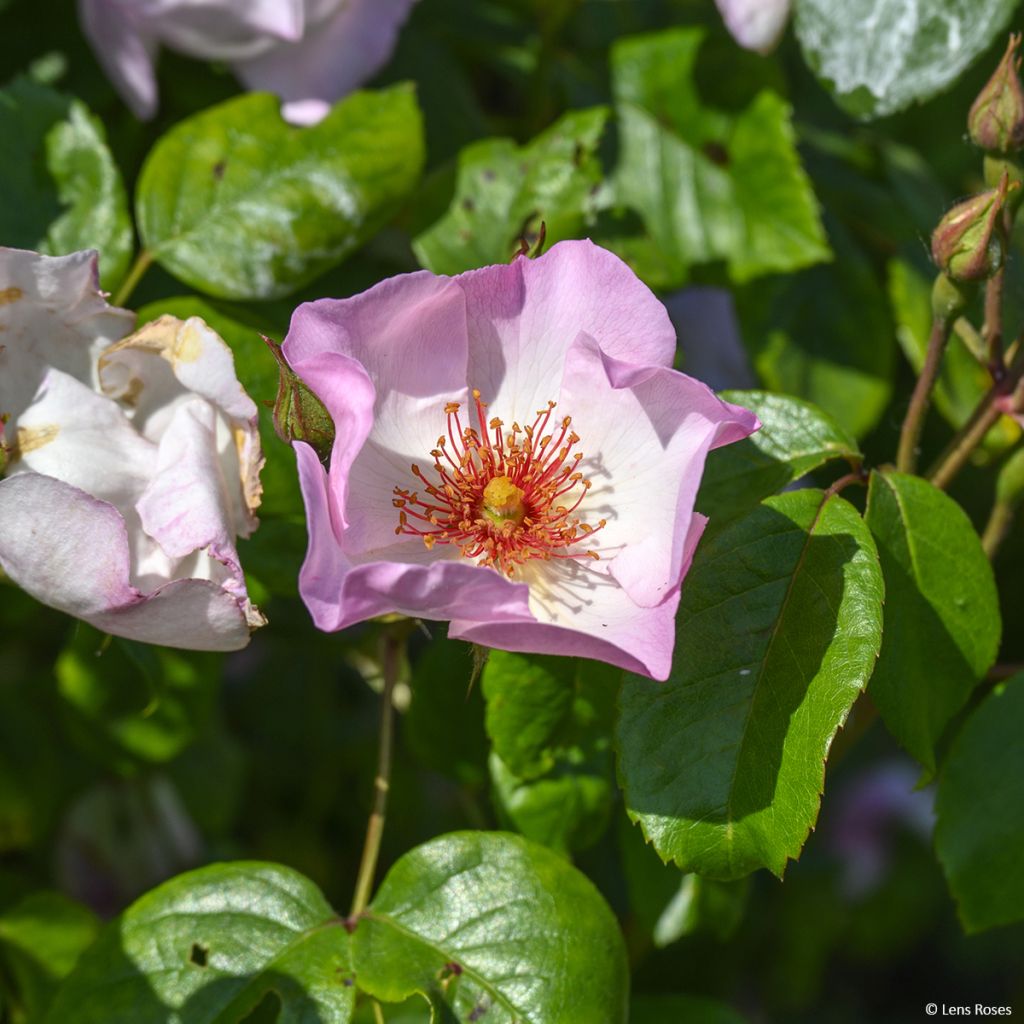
(142, 263)
(910, 434)
(381, 783)
(998, 526)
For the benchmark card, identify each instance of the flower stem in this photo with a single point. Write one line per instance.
(992, 330)
(910, 434)
(982, 420)
(998, 526)
(375, 826)
(138, 269)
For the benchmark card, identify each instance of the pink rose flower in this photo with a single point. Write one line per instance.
(513, 452)
(309, 52)
(133, 461)
(755, 24)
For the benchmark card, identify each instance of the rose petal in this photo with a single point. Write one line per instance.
(331, 58)
(52, 314)
(70, 551)
(755, 24)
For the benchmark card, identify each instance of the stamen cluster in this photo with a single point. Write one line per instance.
(503, 498)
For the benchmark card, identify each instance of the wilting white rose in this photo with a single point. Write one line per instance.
(755, 24)
(133, 461)
(309, 52)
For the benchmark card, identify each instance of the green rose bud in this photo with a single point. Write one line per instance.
(968, 243)
(298, 414)
(996, 119)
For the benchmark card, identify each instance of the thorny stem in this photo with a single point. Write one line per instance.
(973, 432)
(375, 826)
(142, 263)
(910, 434)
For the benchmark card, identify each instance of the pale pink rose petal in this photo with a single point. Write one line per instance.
(331, 59)
(645, 432)
(52, 314)
(755, 24)
(125, 48)
(70, 551)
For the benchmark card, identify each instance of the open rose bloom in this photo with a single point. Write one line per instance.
(309, 52)
(133, 461)
(513, 453)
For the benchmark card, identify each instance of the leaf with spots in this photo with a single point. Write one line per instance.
(493, 929)
(239, 204)
(210, 946)
(778, 630)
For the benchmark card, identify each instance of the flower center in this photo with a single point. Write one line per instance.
(504, 498)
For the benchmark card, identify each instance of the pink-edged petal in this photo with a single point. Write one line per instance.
(331, 59)
(384, 364)
(70, 551)
(339, 592)
(126, 49)
(524, 316)
(224, 29)
(755, 24)
(84, 439)
(185, 506)
(583, 613)
(645, 431)
(52, 314)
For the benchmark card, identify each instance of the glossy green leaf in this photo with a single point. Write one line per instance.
(963, 380)
(62, 190)
(795, 438)
(798, 345)
(209, 946)
(41, 938)
(942, 622)
(980, 803)
(239, 204)
(709, 186)
(128, 702)
(504, 191)
(491, 924)
(878, 56)
(778, 630)
(650, 1009)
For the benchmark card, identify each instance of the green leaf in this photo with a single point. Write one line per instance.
(877, 57)
(942, 623)
(129, 703)
(239, 204)
(62, 190)
(709, 186)
(963, 380)
(209, 946)
(799, 346)
(778, 630)
(489, 923)
(549, 720)
(646, 1009)
(795, 438)
(41, 938)
(980, 804)
(504, 191)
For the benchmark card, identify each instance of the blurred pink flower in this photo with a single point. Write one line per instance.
(755, 24)
(309, 52)
(134, 461)
(513, 452)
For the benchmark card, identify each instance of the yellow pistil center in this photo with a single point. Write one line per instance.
(504, 498)
(503, 501)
